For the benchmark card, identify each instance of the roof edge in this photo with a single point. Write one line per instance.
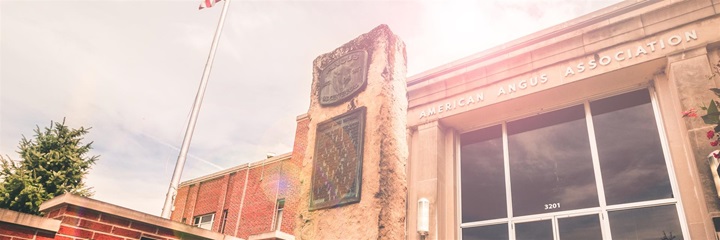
(249, 165)
(534, 38)
(107, 208)
(28, 220)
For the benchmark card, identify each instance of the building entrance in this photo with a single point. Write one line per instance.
(595, 170)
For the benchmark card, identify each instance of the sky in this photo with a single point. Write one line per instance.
(130, 70)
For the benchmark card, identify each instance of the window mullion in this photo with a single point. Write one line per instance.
(668, 159)
(604, 224)
(595, 156)
(508, 189)
(556, 231)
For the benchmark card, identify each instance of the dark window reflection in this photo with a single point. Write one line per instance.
(539, 230)
(483, 176)
(580, 228)
(550, 163)
(646, 223)
(631, 157)
(493, 232)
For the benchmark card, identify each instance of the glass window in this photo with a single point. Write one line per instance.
(540, 230)
(279, 213)
(580, 228)
(223, 220)
(631, 156)
(483, 175)
(550, 163)
(646, 223)
(204, 221)
(492, 232)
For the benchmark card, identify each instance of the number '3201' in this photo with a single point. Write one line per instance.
(552, 206)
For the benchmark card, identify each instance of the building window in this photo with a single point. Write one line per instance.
(223, 221)
(204, 221)
(278, 214)
(575, 173)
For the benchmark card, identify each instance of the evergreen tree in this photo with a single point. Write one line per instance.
(53, 163)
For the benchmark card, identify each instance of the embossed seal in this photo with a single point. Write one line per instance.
(343, 78)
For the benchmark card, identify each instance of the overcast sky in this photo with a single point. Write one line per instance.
(130, 70)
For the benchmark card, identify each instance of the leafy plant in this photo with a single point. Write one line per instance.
(54, 162)
(712, 113)
(668, 237)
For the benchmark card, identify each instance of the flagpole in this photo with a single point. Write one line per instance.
(180, 164)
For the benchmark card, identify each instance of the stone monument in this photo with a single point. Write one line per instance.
(353, 178)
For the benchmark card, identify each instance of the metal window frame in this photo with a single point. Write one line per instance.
(277, 215)
(603, 209)
(197, 220)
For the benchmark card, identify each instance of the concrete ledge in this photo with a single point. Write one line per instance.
(563, 31)
(106, 208)
(276, 235)
(28, 220)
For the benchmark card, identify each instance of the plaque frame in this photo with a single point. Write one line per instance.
(359, 116)
(326, 86)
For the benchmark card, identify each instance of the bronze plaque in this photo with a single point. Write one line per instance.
(337, 164)
(343, 77)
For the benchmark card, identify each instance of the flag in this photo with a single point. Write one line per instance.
(208, 3)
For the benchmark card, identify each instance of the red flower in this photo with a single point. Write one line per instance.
(715, 143)
(710, 134)
(690, 113)
(716, 155)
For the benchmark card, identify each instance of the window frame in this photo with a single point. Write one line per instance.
(197, 221)
(603, 209)
(223, 221)
(278, 214)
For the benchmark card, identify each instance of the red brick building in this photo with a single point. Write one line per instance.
(247, 201)
(70, 217)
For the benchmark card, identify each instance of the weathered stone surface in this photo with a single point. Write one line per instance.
(343, 78)
(691, 77)
(380, 214)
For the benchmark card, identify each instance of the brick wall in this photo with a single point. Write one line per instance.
(180, 201)
(82, 223)
(70, 217)
(234, 198)
(259, 207)
(190, 200)
(290, 187)
(209, 199)
(228, 205)
(16, 232)
(266, 183)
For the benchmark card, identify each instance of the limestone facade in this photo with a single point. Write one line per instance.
(661, 51)
(665, 48)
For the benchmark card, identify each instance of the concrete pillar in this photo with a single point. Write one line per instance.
(380, 212)
(448, 187)
(688, 87)
(432, 176)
